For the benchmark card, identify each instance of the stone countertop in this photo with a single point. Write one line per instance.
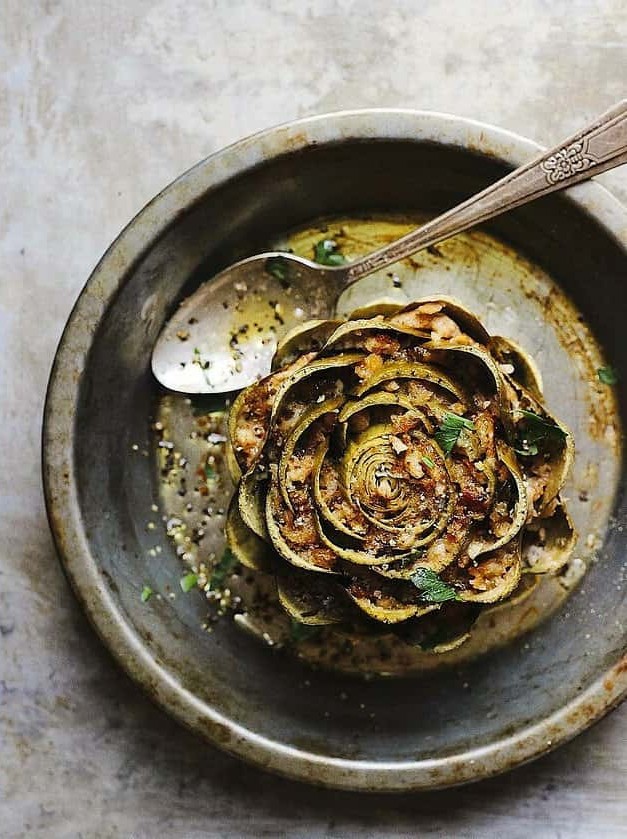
(101, 105)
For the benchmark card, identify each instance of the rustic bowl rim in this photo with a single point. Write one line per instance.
(61, 490)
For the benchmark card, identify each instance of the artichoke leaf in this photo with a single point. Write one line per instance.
(384, 306)
(372, 401)
(405, 568)
(523, 591)
(311, 556)
(252, 409)
(383, 606)
(313, 600)
(374, 324)
(382, 399)
(354, 555)
(503, 566)
(521, 507)
(484, 357)
(307, 418)
(442, 630)
(334, 516)
(526, 371)
(240, 427)
(298, 376)
(548, 542)
(560, 457)
(251, 499)
(303, 338)
(393, 370)
(231, 462)
(246, 546)
(463, 317)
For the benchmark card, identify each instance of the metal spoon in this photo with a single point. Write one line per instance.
(224, 335)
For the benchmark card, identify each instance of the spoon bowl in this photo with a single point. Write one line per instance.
(223, 336)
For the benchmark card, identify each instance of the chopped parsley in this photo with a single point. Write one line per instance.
(279, 268)
(188, 582)
(222, 569)
(448, 433)
(607, 375)
(146, 594)
(428, 462)
(534, 433)
(432, 588)
(326, 252)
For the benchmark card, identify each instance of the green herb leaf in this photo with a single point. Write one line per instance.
(534, 432)
(146, 594)
(188, 582)
(448, 433)
(302, 631)
(607, 375)
(326, 253)
(210, 472)
(279, 268)
(222, 569)
(428, 462)
(455, 421)
(432, 588)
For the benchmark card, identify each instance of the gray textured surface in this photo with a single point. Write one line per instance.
(100, 106)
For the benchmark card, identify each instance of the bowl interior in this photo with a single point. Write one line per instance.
(440, 713)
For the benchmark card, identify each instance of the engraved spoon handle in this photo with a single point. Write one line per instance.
(600, 146)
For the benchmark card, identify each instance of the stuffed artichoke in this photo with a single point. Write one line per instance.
(398, 472)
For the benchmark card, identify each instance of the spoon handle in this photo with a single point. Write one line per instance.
(600, 146)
